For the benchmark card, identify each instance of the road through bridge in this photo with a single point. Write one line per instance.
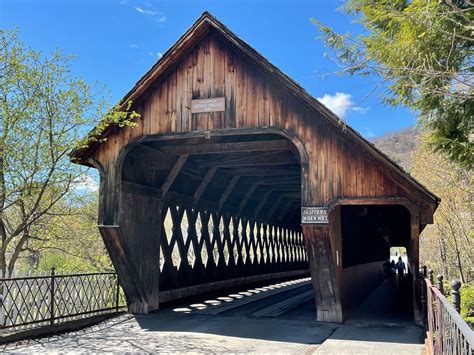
(276, 318)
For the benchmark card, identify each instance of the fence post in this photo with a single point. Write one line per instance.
(423, 293)
(51, 306)
(430, 275)
(117, 295)
(456, 295)
(439, 285)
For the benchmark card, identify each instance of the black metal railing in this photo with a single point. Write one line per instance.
(33, 301)
(447, 332)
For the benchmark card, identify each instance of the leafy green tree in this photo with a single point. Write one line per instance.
(44, 110)
(447, 245)
(71, 241)
(423, 52)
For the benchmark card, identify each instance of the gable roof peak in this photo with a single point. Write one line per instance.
(197, 31)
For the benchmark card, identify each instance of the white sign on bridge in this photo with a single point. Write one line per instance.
(216, 104)
(314, 215)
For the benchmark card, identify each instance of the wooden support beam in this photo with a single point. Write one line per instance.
(141, 190)
(271, 180)
(145, 152)
(228, 191)
(232, 147)
(173, 174)
(252, 160)
(188, 201)
(275, 205)
(265, 172)
(246, 198)
(155, 192)
(125, 266)
(262, 203)
(285, 208)
(203, 185)
(161, 161)
(283, 188)
(323, 268)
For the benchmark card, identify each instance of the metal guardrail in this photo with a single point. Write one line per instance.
(447, 332)
(27, 302)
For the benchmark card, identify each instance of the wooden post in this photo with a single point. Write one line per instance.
(323, 273)
(414, 254)
(125, 268)
(52, 291)
(423, 295)
(117, 295)
(456, 295)
(439, 284)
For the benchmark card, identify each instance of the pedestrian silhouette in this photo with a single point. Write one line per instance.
(400, 268)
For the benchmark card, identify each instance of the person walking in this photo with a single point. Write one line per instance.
(401, 268)
(392, 271)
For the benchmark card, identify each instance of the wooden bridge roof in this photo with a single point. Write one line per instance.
(192, 37)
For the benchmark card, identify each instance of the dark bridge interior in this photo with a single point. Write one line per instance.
(368, 232)
(229, 209)
(253, 176)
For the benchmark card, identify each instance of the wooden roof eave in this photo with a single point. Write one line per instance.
(187, 41)
(163, 65)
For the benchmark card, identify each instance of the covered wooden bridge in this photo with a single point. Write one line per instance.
(236, 175)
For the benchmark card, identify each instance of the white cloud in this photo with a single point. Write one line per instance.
(360, 110)
(341, 104)
(146, 12)
(159, 54)
(146, 9)
(133, 45)
(86, 183)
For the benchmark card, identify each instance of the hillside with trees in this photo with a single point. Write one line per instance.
(399, 145)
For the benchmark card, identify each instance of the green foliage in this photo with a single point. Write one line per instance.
(467, 303)
(447, 245)
(71, 242)
(119, 116)
(44, 111)
(423, 51)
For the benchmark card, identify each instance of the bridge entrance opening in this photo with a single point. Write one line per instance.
(399, 252)
(369, 234)
(212, 212)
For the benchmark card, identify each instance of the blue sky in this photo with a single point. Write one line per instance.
(117, 41)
